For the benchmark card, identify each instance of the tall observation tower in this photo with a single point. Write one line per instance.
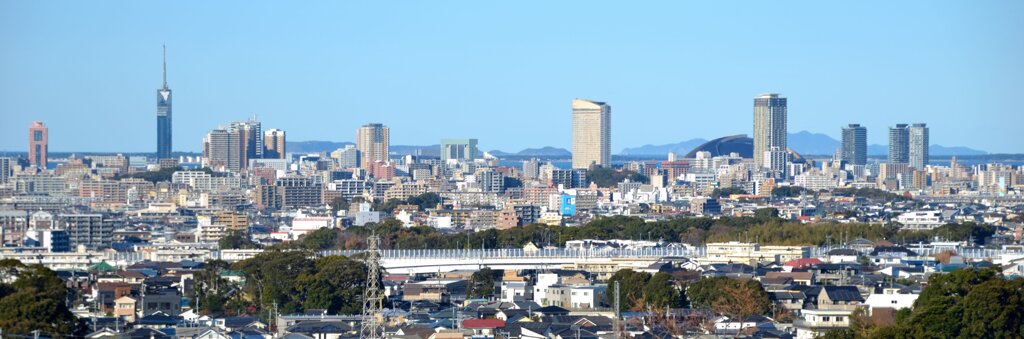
(163, 117)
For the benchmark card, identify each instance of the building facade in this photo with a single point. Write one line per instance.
(899, 144)
(459, 149)
(769, 125)
(855, 144)
(221, 150)
(372, 141)
(274, 144)
(917, 146)
(38, 144)
(591, 133)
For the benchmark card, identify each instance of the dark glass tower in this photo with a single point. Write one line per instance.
(163, 117)
(855, 144)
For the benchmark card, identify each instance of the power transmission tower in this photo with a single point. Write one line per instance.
(373, 298)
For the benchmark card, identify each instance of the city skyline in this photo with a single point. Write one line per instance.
(315, 95)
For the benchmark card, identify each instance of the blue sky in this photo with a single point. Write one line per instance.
(506, 72)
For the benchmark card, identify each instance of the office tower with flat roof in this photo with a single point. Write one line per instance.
(899, 144)
(775, 160)
(5, 170)
(855, 144)
(221, 150)
(347, 157)
(273, 144)
(372, 141)
(917, 146)
(591, 133)
(250, 139)
(163, 117)
(38, 144)
(531, 169)
(92, 231)
(769, 125)
(459, 149)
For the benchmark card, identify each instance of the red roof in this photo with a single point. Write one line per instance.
(483, 323)
(804, 262)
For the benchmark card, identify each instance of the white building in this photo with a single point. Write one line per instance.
(571, 296)
(891, 298)
(925, 220)
(512, 291)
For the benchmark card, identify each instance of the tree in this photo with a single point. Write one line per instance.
(425, 201)
(660, 292)
(726, 191)
(211, 292)
(766, 214)
(272, 276)
(631, 288)
(339, 204)
(335, 284)
(608, 177)
(235, 240)
(965, 303)
(34, 298)
(729, 297)
(481, 283)
(321, 239)
(788, 191)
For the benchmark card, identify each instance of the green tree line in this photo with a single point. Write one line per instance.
(765, 228)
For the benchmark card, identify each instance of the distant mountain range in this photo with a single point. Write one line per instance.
(803, 142)
(680, 148)
(329, 146)
(546, 151)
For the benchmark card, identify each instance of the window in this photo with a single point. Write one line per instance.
(824, 318)
(37, 135)
(839, 319)
(893, 302)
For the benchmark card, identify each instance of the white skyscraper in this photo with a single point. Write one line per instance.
(917, 151)
(769, 125)
(591, 133)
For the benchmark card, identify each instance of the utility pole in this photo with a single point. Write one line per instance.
(373, 298)
(618, 313)
(274, 316)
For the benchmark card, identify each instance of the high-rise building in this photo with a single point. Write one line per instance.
(163, 117)
(591, 133)
(917, 146)
(89, 230)
(5, 170)
(250, 139)
(855, 144)
(273, 144)
(459, 149)
(775, 160)
(372, 141)
(38, 144)
(221, 150)
(347, 157)
(769, 125)
(899, 144)
(231, 148)
(531, 168)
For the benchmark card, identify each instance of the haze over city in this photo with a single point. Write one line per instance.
(505, 73)
(493, 170)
